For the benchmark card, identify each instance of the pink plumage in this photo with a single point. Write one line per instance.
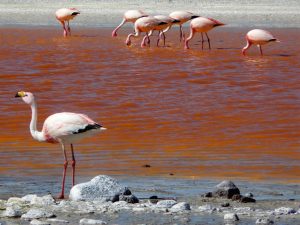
(64, 15)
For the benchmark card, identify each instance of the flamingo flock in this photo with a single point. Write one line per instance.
(144, 23)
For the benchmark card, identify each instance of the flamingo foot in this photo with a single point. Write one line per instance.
(61, 196)
(114, 34)
(128, 42)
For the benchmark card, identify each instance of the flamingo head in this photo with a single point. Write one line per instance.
(128, 42)
(114, 33)
(27, 97)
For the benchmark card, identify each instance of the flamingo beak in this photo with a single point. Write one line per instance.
(20, 94)
(103, 128)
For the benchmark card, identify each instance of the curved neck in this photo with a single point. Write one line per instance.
(114, 33)
(246, 47)
(186, 43)
(33, 130)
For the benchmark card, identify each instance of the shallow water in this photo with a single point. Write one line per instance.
(192, 113)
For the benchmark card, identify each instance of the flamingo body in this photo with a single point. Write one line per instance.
(64, 128)
(258, 37)
(144, 24)
(202, 25)
(65, 15)
(129, 16)
(182, 17)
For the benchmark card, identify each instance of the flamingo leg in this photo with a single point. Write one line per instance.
(208, 40)
(61, 196)
(73, 165)
(181, 33)
(158, 39)
(202, 40)
(69, 28)
(260, 49)
(164, 38)
(64, 27)
(148, 39)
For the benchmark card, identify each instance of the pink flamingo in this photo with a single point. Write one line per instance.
(163, 28)
(129, 16)
(202, 25)
(182, 17)
(258, 37)
(65, 15)
(64, 128)
(144, 24)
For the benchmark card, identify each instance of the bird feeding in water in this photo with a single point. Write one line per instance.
(202, 25)
(129, 16)
(63, 128)
(258, 37)
(64, 15)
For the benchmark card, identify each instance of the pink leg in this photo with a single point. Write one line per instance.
(261, 52)
(164, 38)
(64, 27)
(144, 40)
(208, 40)
(181, 32)
(158, 39)
(73, 166)
(69, 28)
(62, 196)
(202, 40)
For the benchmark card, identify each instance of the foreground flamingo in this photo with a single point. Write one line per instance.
(258, 37)
(144, 24)
(163, 28)
(182, 17)
(64, 128)
(129, 16)
(202, 25)
(64, 15)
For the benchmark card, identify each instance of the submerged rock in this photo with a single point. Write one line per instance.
(13, 211)
(37, 213)
(284, 211)
(207, 208)
(231, 217)
(100, 187)
(226, 189)
(180, 207)
(38, 222)
(264, 221)
(91, 221)
(165, 203)
(44, 200)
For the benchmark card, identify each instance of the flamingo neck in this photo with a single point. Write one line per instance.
(37, 135)
(186, 43)
(246, 47)
(114, 33)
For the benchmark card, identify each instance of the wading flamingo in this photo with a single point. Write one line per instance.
(64, 128)
(201, 25)
(162, 29)
(144, 24)
(258, 37)
(182, 17)
(65, 15)
(129, 16)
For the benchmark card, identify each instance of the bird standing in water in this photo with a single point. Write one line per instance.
(202, 25)
(64, 128)
(129, 16)
(65, 15)
(258, 37)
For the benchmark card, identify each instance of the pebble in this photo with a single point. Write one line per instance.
(284, 211)
(91, 221)
(57, 221)
(165, 203)
(42, 201)
(231, 217)
(38, 222)
(264, 221)
(13, 211)
(28, 198)
(180, 207)
(36, 214)
(207, 208)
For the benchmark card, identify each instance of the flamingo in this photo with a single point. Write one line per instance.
(129, 16)
(182, 17)
(258, 37)
(144, 24)
(65, 15)
(202, 25)
(162, 29)
(64, 128)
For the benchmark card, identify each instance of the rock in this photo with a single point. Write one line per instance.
(225, 189)
(226, 204)
(236, 197)
(207, 208)
(243, 210)
(231, 217)
(13, 201)
(36, 214)
(13, 211)
(44, 200)
(153, 199)
(2, 205)
(138, 209)
(54, 221)
(28, 198)
(91, 221)
(165, 203)
(38, 222)
(284, 211)
(100, 187)
(128, 198)
(264, 221)
(249, 195)
(181, 206)
(208, 195)
(245, 199)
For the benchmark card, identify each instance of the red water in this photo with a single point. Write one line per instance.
(193, 113)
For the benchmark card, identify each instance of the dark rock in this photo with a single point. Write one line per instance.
(127, 192)
(236, 197)
(226, 189)
(226, 204)
(153, 199)
(245, 199)
(128, 198)
(208, 195)
(146, 166)
(171, 174)
(250, 195)
(115, 198)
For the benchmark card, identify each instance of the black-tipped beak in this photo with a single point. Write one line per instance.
(17, 95)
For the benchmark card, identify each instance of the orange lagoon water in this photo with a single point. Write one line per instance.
(196, 114)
